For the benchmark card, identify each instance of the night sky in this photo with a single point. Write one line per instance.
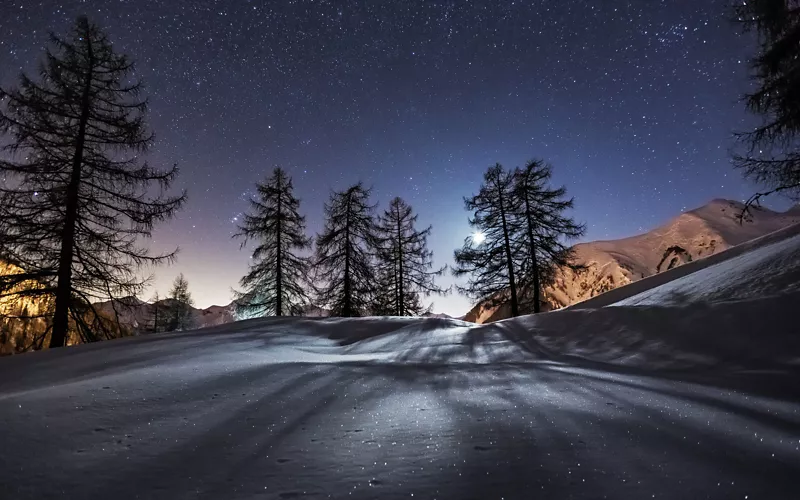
(633, 102)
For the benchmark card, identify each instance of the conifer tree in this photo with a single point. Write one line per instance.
(384, 301)
(404, 261)
(771, 154)
(157, 313)
(274, 284)
(179, 308)
(77, 199)
(540, 228)
(489, 260)
(344, 250)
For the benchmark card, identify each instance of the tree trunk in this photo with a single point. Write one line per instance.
(346, 312)
(64, 288)
(509, 261)
(400, 278)
(534, 261)
(279, 264)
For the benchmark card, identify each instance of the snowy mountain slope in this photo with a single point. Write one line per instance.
(693, 235)
(433, 407)
(735, 309)
(774, 276)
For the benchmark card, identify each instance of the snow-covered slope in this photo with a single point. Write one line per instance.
(693, 235)
(735, 309)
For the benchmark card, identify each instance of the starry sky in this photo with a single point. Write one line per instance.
(633, 102)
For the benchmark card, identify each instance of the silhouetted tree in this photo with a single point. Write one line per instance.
(384, 300)
(404, 261)
(179, 306)
(344, 253)
(76, 199)
(489, 260)
(158, 314)
(772, 153)
(540, 228)
(275, 282)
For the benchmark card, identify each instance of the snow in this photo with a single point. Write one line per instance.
(711, 312)
(683, 385)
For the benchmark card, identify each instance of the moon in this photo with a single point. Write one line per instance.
(478, 237)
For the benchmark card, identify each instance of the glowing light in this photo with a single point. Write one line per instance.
(478, 237)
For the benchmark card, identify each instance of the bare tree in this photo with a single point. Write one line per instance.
(344, 263)
(540, 228)
(770, 154)
(179, 306)
(77, 198)
(488, 261)
(275, 282)
(404, 262)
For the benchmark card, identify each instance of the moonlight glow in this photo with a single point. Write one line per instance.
(478, 237)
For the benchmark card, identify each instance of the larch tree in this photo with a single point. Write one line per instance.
(405, 264)
(157, 313)
(487, 257)
(770, 153)
(541, 229)
(383, 301)
(77, 199)
(344, 264)
(179, 306)
(275, 284)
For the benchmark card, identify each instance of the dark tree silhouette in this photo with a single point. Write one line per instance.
(343, 263)
(157, 313)
(275, 282)
(77, 199)
(490, 263)
(179, 306)
(384, 301)
(540, 228)
(404, 262)
(771, 154)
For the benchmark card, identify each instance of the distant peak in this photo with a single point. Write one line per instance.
(719, 202)
(723, 200)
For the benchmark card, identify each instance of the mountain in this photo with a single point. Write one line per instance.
(690, 236)
(139, 315)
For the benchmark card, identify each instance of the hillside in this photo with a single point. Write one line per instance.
(693, 235)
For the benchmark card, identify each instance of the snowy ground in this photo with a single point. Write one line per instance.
(687, 389)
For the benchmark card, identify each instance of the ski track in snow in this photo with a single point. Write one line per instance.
(687, 389)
